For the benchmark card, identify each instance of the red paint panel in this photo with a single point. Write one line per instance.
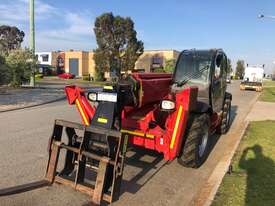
(73, 93)
(154, 86)
(182, 99)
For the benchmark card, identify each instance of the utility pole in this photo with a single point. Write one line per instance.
(32, 41)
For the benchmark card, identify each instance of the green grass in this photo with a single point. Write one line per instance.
(252, 182)
(75, 81)
(94, 83)
(268, 94)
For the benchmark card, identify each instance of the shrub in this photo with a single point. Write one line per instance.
(99, 76)
(4, 73)
(86, 77)
(19, 66)
(158, 70)
(38, 76)
(170, 65)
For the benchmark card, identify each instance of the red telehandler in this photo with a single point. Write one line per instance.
(174, 114)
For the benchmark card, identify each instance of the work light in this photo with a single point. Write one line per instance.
(167, 105)
(92, 96)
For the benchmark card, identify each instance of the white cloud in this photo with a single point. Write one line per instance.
(13, 13)
(73, 31)
(74, 25)
(76, 33)
(17, 12)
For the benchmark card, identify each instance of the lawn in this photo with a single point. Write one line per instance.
(53, 80)
(268, 94)
(252, 182)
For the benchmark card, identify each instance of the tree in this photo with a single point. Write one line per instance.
(170, 65)
(229, 66)
(10, 38)
(19, 63)
(4, 74)
(118, 47)
(240, 69)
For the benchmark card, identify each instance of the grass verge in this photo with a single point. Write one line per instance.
(268, 94)
(252, 181)
(72, 81)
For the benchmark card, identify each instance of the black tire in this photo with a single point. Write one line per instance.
(197, 128)
(226, 117)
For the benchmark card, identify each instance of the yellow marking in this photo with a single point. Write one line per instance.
(108, 87)
(150, 136)
(102, 120)
(176, 128)
(141, 134)
(81, 112)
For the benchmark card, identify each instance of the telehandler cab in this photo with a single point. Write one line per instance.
(174, 114)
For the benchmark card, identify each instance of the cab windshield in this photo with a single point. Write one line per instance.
(193, 67)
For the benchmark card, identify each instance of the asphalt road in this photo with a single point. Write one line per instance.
(148, 180)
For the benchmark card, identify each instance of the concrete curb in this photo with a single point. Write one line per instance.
(208, 192)
(35, 105)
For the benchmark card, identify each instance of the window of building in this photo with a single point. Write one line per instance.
(157, 60)
(45, 57)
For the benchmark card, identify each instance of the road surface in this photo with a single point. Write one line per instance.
(148, 180)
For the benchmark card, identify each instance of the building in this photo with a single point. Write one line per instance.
(47, 61)
(79, 63)
(47, 58)
(60, 62)
(154, 59)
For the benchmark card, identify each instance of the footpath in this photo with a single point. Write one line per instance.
(262, 111)
(13, 99)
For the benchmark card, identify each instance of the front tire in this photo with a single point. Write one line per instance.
(196, 146)
(226, 117)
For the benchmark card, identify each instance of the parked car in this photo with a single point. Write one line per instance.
(66, 76)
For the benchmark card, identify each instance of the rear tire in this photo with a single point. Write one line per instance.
(196, 146)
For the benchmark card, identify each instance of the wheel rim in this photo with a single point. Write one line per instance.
(202, 146)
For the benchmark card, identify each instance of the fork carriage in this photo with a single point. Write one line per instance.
(86, 157)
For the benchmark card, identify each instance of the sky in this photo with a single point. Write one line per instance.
(231, 25)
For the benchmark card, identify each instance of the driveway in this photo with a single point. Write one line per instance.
(148, 180)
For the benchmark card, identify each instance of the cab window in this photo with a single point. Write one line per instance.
(218, 67)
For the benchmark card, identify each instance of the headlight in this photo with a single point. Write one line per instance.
(92, 96)
(168, 105)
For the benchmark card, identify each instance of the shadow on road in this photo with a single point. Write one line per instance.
(260, 177)
(142, 165)
(148, 163)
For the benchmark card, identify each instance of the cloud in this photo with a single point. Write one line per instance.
(76, 33)
(56, 28)
(13, 13)
(74, 25)
(17, 11)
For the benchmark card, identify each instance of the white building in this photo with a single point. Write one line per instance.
(44, 57)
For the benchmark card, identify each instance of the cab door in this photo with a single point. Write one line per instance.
(218, 84)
